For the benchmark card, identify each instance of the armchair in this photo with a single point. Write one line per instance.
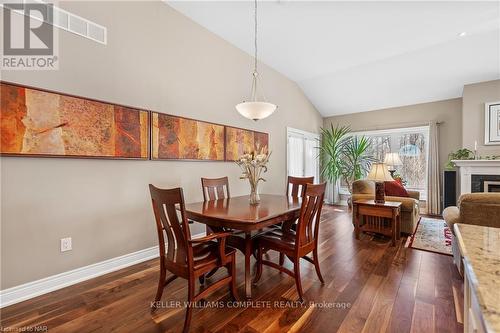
(473, 208)
(410, 208)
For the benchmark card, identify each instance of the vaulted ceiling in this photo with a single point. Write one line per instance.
(358, 56)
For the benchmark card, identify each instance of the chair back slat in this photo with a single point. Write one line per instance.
(296, 185)
(170, 216)
(214, 189)
(310, 213)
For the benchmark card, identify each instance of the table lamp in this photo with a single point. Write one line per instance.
(379, 174)
(392, 160)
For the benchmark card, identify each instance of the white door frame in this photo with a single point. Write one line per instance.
(305, 135)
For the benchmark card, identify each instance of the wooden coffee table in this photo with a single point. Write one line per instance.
(383, 218)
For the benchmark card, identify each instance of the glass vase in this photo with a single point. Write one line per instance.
(254, 194)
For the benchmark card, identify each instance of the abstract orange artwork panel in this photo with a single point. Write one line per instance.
(39, 123)
(181, 138)
(240, 141)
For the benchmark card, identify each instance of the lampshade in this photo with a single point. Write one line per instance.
(379, 173)
(256, 110)
(392, 159)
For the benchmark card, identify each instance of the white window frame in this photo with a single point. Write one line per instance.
(304, 135)
(412, 129)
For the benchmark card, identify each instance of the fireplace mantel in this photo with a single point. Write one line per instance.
(467, 168)
(477, 163)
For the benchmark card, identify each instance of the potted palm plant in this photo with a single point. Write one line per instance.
(356, 162)
(343, 157)
(331, 148)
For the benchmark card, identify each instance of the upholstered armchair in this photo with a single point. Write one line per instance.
(410, 208)
(473, 208)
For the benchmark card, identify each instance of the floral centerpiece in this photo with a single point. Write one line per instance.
(252, 165)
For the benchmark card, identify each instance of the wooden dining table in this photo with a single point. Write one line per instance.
(238, 214)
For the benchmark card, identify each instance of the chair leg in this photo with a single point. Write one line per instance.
(232, 272)
(316, 265)
(258, 274)
(282, 259)
(296, 269)
(189, 308)
(161, 286)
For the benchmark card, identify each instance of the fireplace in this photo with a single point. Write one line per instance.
(485, 183)
(478, 176)
(492, 186)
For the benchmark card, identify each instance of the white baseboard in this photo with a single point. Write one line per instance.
(43, 286)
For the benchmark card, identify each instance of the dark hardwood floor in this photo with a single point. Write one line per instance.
(369, 287)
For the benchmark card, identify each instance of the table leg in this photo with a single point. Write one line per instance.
(398, 234)
(248, 275)
(394, 227)
(356, 221)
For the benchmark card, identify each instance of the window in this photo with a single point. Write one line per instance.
(412, 146)
(302, 154)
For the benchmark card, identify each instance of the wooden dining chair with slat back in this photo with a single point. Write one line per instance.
(215, 188)
(296, 244)
(295, 188)
(185, 257)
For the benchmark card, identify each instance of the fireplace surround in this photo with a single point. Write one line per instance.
(485, 183)
(476, 175)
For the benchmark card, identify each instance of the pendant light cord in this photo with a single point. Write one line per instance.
(255, 36)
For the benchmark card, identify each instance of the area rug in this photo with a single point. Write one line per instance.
(432, 235)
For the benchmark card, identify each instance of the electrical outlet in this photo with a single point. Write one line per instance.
(66, 244)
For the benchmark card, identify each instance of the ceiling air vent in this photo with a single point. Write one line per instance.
(65, 20)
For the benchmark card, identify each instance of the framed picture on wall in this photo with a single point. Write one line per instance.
(178, 138)
(492, 123)
(41, 123)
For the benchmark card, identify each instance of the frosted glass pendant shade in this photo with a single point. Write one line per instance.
(256, 110)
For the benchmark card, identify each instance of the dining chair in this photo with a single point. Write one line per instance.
(186, 257)
(296, 244)
(215, 188)
(296, 185)
(295, 188)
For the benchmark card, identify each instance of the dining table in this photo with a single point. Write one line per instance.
(246, 220)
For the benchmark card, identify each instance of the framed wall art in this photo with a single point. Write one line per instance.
(240, 141)
(492, 123)
(178, 138)
(36, 122)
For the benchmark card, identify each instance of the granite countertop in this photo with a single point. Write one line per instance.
(480, 247)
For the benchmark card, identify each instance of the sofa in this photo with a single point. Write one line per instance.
(410, 208)
(473, 208)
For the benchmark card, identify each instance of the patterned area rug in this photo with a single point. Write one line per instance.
(431, 235)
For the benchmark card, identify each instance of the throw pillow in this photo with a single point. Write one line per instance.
(394, 189)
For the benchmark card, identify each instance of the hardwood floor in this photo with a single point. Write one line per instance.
(369, 287)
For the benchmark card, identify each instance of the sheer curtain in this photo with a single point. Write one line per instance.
(302, 154)
(311, 158)
(295, 156)
(433, 188)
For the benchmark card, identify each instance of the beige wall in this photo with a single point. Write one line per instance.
(447, 111)
(473, 100)
(155, 59)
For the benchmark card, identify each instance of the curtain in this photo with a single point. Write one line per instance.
(433, 188)
(311, 160)
(295, 156)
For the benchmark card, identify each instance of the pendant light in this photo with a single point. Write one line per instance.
(255, 109)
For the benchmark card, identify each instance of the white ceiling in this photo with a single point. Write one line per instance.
(358, 56)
